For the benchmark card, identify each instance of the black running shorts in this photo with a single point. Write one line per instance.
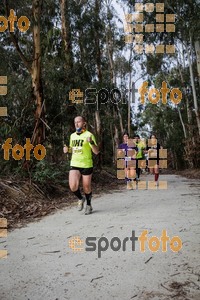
(83, 171)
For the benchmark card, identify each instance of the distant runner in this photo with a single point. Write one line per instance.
(140, 154)
(82, 144)
(129, 171)
(153, 155)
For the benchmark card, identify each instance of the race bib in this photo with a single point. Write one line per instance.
(77, 150)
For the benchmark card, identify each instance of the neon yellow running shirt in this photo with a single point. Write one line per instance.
(81, 150)
(140, 145)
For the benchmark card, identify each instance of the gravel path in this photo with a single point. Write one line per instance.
(40, 264)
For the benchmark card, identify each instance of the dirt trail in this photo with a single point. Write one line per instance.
(40, 264)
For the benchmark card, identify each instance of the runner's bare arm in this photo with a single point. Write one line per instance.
(95, 148)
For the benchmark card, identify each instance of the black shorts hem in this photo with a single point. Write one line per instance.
(83, 171)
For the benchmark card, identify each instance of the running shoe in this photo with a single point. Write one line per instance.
(88, 209)
(81, 204)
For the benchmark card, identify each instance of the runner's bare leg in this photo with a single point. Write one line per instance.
(87, 187)
(74, 179)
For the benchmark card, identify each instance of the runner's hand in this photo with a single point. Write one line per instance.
(65, 149)
(89, 139)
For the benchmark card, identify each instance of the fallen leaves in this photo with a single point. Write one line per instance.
(22, 202)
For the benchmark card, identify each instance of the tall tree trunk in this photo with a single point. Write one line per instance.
(99, 136)
(182, 123)
(129, 93)
(113, 142)
(34, 70)
(197, 49)
(99, 75)
(110, 51)
(67, 53)
(97, 40)
(116, 136)
(39, 133)
(116, 140)
(196, 109)
(66, 39)
(98, 122)
(120, 120)
(189, 113)
(83, 56)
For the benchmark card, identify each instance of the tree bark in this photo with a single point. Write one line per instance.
(99, 75)
(39, 133)
(97, 44)
(196, 109)
(129, 94)
(66, 39)
(189, 113)
(99, 136)
(197, 49)
(35, 71)
(110, 51)
(182, 123)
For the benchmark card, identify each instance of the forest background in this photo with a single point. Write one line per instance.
(79, 46)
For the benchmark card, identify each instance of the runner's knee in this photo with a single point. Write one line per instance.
(73, 187)
(87, 188)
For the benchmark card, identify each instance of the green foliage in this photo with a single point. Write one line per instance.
(45, 172)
